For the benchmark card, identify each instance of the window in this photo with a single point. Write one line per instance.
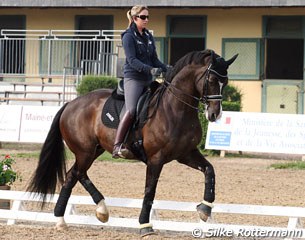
(187, 25)
(284, 47)
(283, 26)
(247, 65)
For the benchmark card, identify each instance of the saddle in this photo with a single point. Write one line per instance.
(114, 109)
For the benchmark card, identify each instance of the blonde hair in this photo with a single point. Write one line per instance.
(134, 11)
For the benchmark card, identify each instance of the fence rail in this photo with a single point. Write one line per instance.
(294, 214)
(46, 53)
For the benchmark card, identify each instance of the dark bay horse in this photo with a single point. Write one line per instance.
(172, 133)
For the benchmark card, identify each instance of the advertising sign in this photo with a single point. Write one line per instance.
(36, 122)
(258, 132)
(10, 122)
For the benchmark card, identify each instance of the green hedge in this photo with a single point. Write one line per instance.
(231, 94)
(90, 83)
(231, 106)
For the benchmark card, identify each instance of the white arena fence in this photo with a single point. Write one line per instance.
(18, 212)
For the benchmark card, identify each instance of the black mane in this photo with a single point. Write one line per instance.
(196, 57)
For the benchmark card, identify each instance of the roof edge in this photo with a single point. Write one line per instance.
(155, 3)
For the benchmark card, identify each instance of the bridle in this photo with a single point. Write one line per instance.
(205, 99)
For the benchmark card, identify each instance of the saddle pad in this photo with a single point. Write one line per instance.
(111, 112)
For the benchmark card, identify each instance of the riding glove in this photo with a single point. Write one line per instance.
(169, 68)
(156, 72)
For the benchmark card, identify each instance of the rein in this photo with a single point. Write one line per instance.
(204, 99)
(179, 99)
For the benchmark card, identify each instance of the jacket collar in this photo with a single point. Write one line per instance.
(134, 28)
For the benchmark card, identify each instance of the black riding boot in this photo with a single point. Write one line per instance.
(118, 149)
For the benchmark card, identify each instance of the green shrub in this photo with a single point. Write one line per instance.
(232, 94)
(231, 102)
(231, 106)
(90, 83)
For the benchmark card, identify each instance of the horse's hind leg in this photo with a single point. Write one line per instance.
(78, 172)
(197, 161)
(63, 198)
(84, 162)
(102, 212)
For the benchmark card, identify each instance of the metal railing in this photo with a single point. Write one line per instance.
(46, 53)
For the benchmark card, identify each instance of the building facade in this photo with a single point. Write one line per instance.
(267, 35)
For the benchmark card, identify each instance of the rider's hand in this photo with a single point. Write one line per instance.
(156, 72)
(169, 68)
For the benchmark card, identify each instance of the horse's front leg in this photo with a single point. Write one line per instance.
(197, 161)
(152, 176)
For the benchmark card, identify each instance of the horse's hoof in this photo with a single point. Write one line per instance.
(146, 230)
(103, 217)
(102, 213)
(204, 211)
(61, 227)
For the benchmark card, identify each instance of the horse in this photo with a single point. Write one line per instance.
(172, 132)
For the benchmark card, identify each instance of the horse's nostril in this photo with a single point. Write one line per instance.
(213, 117)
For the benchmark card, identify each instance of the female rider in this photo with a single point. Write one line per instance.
(141, 63)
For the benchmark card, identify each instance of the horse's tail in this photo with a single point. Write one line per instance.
(51, 166)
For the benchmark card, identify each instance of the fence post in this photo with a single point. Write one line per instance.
(50, 60)
(64, 87)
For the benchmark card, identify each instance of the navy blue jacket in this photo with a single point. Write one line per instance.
(140, 52)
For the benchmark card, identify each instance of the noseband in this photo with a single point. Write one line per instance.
(205, 99)
(209, 98)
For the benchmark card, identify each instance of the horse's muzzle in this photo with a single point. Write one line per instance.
(213, 112)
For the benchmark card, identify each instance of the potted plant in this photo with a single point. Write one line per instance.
(7, 177)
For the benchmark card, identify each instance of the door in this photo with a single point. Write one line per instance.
(283, 77)
(183, 45)
(282, 96)
(182, 39)
(96, 56)
(12, 50)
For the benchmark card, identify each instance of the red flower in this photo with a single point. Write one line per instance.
(7, 156)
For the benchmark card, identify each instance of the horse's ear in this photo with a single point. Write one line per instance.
(213, 57)
(230, 61)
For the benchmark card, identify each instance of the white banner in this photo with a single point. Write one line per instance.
(10, 122)
(25, 123)
(36, 122)
(258, 132)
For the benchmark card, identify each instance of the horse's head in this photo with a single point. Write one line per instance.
(212, 83)
(207, 74)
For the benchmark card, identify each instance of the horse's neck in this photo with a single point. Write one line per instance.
(177, 101)
(182, 91)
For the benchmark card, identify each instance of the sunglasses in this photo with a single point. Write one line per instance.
(143, 17)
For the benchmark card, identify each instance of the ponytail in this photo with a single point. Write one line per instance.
(130, 19)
